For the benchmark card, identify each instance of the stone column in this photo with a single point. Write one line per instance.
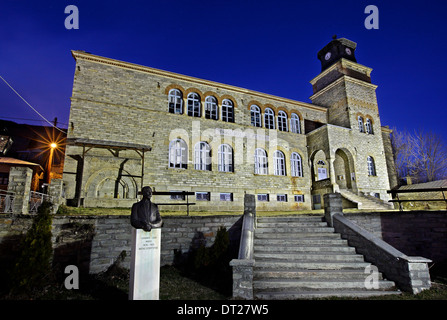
(20, 183)
(55, 191)
(332, 205)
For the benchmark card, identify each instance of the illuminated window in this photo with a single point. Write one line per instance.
(175, 101)
(194, 109)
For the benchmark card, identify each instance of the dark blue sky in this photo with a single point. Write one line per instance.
(267, 46)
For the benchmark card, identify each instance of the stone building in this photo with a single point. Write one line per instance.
(132, 125)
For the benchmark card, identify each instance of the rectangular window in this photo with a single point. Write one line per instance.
(299, 198)
(202, 196)
(226, 197)
(263, 197)
(281, 197)
(177, 196)
(316, 199)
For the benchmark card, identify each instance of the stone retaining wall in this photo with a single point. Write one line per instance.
(93, 243)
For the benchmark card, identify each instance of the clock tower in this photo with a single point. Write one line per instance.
(335, 50)
(344, 86)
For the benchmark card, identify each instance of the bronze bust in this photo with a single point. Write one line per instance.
(145, 214)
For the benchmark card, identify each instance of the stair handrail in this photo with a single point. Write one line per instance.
(248, 228)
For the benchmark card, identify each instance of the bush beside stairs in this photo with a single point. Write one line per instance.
(302, 258)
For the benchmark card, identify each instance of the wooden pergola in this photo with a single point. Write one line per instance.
(114, 147)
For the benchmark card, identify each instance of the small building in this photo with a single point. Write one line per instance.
(7, 163)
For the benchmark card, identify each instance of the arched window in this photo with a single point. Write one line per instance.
(369, 127)
(255, 113)
(178, 154)
(279, 163)
(227, 110)
(360, 120)
(194, 109)
(269, 119)
(371, 166)
(295, 126)
(261, 162)
(296, 165)
(282, 121)
(202, 156)
(225, 160)
(175, 99)
(211, 110)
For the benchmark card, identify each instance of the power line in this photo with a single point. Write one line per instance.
(30, 105)
(25, 119)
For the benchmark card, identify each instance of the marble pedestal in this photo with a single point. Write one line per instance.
(144, 281)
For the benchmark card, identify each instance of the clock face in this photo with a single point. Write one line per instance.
(348, 51)
(327, 56)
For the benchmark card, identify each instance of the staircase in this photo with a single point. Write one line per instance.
(302, 258)
(365, 202)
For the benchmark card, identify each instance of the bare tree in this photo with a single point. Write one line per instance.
(429, 152)
(421, 156)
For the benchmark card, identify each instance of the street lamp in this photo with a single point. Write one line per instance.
(53, 146)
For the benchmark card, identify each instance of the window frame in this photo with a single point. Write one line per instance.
(261, 162)
(225, 158)
(203, 196)
(296, 165)
(230, 194)
(263, 197)
(178, 151)
(211, 108)
(368, 126)
(202, 157)
(269, 116)
(360, 123)
(227, 110)
(282, 197)
(255, 116)
(298, 198)
(371, 166)
(295, 123)
(194, 105)
(177, 96)
(279, 163)
(281, 121)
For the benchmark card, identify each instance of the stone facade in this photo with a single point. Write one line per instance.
(118, 102)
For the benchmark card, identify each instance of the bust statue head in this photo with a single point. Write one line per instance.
(147, 192)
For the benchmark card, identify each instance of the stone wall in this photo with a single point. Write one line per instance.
(93, 243)
(416, 233)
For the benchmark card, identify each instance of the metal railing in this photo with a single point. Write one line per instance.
(417, 197)
(6, 201)
(36, 199)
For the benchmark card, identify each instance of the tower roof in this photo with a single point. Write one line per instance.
(335, 50)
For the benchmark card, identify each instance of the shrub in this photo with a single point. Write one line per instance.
(33, 265)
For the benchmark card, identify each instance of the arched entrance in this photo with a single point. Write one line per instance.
(344, 169)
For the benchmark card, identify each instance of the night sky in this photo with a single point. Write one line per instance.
(266, 46)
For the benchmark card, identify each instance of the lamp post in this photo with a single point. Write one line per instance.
(50, 161)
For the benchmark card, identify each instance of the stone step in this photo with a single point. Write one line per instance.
(294, 295)
(290, 219)
(290, 224)
(324, 256)
(261, 264)
(286, 228)
(303, 274)
(302, 241)
(299, 248)
(294, 235)
(273, 285)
